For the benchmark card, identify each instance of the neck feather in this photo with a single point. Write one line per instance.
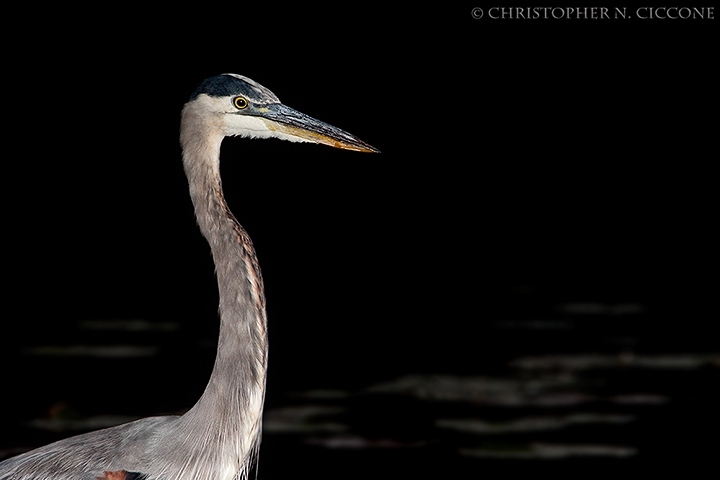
(230, 409)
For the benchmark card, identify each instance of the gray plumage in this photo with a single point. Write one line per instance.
(218, 438)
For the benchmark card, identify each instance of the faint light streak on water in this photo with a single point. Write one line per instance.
(550, 451)
(533, 324)
(590, 308)
(549, 388)
(623, 360)
(128, 325)
(530, 424)
(358, 442)
(78, 424)
(303, 419)
(98, 351)
(639, 399)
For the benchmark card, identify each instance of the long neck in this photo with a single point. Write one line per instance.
(230, 410)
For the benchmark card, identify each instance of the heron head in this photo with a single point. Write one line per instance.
(237, 105)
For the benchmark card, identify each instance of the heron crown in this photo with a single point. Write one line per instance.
(230, 84)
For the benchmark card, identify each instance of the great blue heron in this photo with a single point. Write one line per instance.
(218, 438)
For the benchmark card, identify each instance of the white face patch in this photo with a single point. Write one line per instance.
(257, 127)
(244, 126)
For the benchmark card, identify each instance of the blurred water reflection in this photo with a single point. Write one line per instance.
(608, 401)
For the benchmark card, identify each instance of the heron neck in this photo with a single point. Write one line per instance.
(231, 406)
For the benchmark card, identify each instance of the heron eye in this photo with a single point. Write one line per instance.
(240, 102)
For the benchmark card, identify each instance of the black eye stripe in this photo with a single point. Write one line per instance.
(240, 102)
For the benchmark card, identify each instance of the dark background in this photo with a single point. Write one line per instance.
(525, 166)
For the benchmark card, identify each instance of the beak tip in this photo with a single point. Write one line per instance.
(370, 149)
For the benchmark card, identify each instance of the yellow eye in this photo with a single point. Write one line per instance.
(240, 102)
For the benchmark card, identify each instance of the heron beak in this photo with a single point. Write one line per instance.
(291, 122)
